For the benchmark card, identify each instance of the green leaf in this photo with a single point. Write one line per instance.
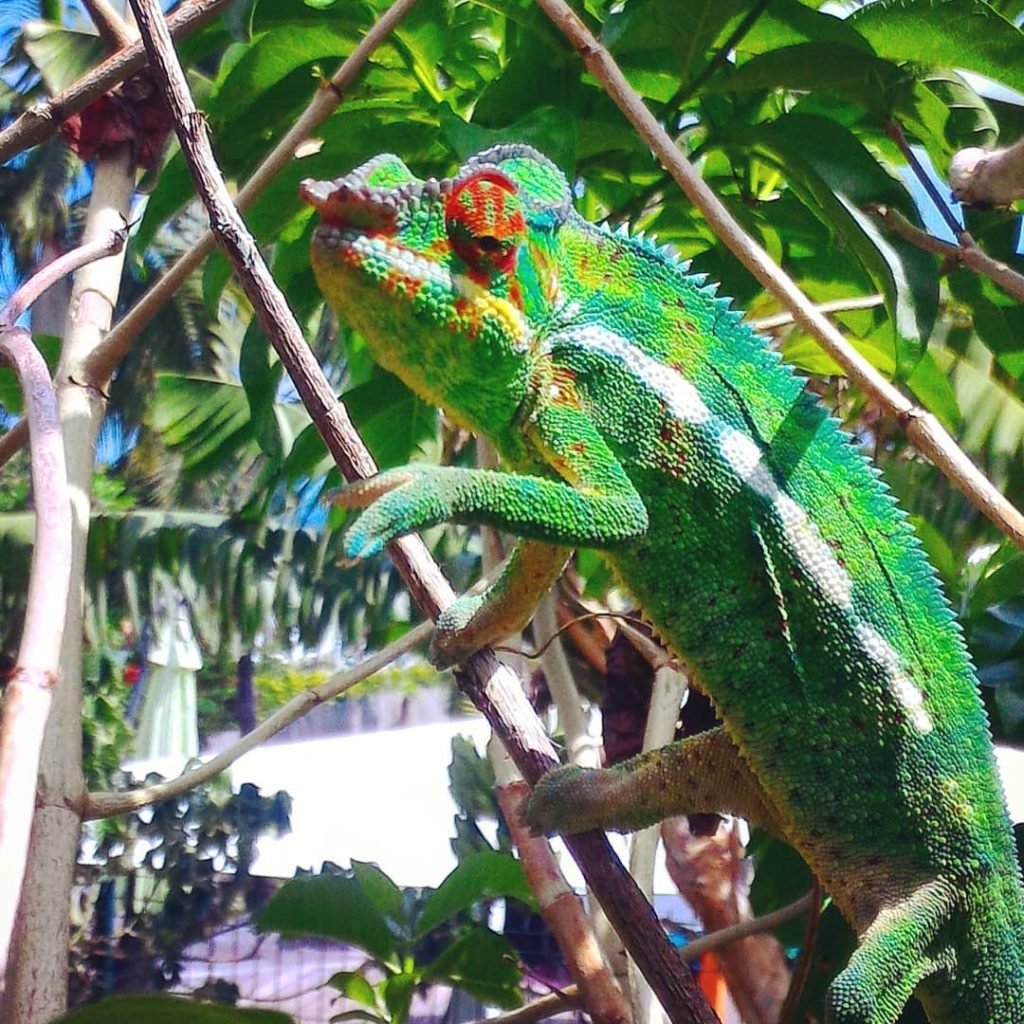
(398, 990)
(484, 875)
(669, 38)
(966, 34)
(788, 22)
(552, 130)
(834, 175)
(60, 55)
(168, 1010)
(392, 421)
(335, 906)
(483, 963)
(353, 985)
(845, 71)
(207, 420)
(261, 373)
(929, 383)
(386, 896)
(272, 57)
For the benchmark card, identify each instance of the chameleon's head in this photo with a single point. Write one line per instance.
(443, 278)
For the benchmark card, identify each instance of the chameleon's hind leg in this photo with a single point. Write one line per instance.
(698, 774)
(505, 607)
(895, 954)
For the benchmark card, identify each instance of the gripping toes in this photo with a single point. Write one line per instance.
(397, 501)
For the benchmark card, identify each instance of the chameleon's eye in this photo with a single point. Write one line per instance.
(485, 223)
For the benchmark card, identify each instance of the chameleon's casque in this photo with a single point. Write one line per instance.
(640, 416)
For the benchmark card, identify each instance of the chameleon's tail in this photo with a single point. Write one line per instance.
(894, 956)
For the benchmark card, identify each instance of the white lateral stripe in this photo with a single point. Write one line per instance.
(742, 454)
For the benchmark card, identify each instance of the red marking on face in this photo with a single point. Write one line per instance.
(485, 222)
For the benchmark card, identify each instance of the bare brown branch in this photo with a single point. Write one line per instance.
(966, 253)
(106, 805)
(39, 122)
(920, 426)
(491, 686)
(562, 912)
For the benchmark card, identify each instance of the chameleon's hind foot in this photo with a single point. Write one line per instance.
(454, 638)
(572, 799)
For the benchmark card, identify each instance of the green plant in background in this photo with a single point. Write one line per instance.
(411, 939)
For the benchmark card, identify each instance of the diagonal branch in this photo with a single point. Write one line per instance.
(966, 253)
(106, 805)
(920, 426)
(492, 687)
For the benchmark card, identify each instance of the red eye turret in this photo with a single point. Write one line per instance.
(485, 223)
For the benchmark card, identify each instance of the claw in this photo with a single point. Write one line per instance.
(362, 493)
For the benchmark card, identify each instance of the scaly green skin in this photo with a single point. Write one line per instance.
(640, 416)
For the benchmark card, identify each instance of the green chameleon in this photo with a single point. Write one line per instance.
(640, 416)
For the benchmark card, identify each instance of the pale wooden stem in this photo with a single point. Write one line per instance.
(29, 690)
(770, 323)
(559, 906)
(920, 426)
(53, 272)
(106, 805)
(493, 688)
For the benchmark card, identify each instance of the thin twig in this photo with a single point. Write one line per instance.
(770, 323)
(920, 426)
(59, 268)
(106, 805)
(967, 253)
(895, 132)
(29, 691)
(798, 982)
(492, 687)
(41, 120)
(568, 997)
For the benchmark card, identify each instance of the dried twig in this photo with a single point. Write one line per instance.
(770, 323)
(492, 687)
(966, 253)
(921, 427)
(106, 805)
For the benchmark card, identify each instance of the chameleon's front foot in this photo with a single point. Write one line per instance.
(396, 502)
(571, 799)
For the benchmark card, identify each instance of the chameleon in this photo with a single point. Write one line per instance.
(637, 414)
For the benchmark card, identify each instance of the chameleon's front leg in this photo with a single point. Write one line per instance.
(599, 508)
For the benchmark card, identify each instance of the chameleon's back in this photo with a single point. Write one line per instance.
(773, 561)
(778, 565)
